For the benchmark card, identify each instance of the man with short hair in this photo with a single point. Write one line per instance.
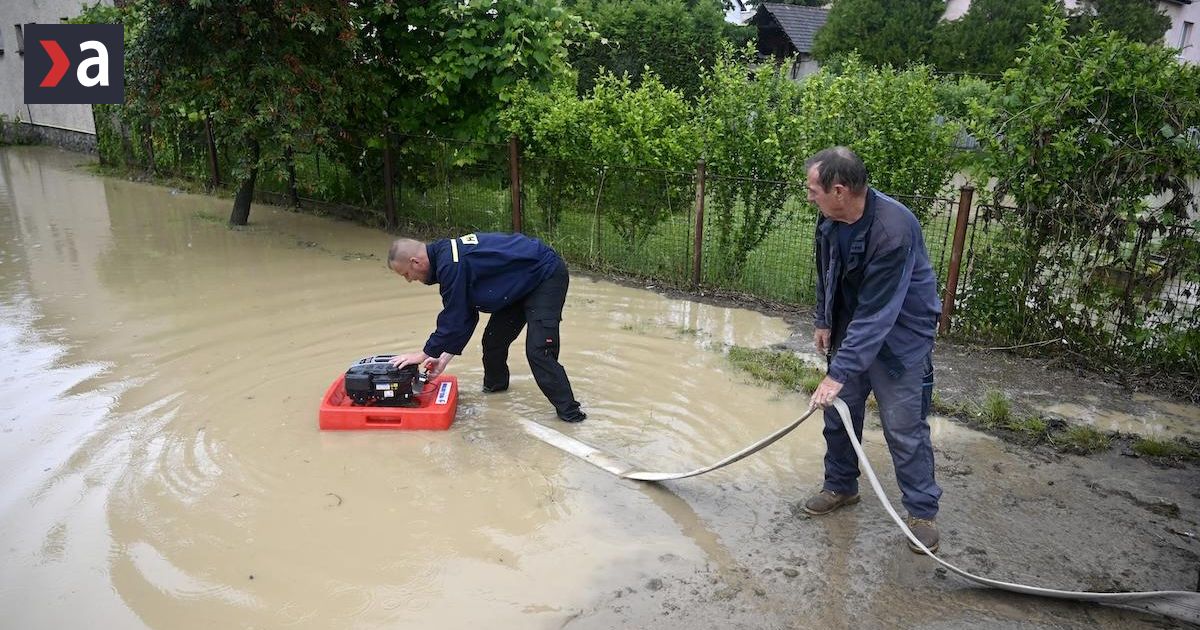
(521, 281)
(876, 315)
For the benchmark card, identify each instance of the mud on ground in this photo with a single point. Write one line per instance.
(1105, 522)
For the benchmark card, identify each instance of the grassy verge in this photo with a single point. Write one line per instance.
(992, 414)
(782, 368)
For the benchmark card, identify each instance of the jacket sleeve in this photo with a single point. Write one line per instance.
(884, 288)
(456, 323)
(819, 309)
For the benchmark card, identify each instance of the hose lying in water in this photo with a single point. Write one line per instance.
(1181, 605)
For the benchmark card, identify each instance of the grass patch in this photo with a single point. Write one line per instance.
(995, 410)
(1034, 427)
(208, 218)
(1082, 440)
(1147, 447)
(784, 368)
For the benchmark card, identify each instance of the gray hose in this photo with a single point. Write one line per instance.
(1181, 605)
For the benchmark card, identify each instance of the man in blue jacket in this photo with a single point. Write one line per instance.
(876, 315)
(519, 280)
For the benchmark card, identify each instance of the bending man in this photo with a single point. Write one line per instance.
(519, 280)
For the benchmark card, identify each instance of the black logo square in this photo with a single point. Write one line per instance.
(74, 63)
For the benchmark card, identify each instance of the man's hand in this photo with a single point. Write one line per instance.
(434, 367)
(821, 339)
(826, 392)
(401, 360)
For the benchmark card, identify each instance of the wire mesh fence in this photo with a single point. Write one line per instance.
(1110, 286)
(635, 221)
(1124, 286)
(451, 186)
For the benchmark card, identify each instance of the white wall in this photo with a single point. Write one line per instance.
(1179, 15)
(12, 66)
(955, 9)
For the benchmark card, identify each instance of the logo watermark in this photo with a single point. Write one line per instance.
(74, 63)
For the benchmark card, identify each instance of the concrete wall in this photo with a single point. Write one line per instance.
(65, 125)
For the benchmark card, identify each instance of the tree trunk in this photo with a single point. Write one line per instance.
(241, 203)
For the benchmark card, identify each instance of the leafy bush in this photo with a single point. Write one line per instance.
(1092, 139)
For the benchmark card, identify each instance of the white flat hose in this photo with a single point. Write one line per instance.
(1183, 605)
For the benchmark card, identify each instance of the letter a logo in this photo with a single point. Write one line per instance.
(96, 53)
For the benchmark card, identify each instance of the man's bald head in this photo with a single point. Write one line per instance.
(409, 258)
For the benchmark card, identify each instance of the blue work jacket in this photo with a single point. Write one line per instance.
(894, 305)
(482, 272)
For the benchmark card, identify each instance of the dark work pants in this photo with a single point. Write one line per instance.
(541, 310)
(904, 400)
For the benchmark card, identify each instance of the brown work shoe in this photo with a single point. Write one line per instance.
(827, 501)
(926, 531)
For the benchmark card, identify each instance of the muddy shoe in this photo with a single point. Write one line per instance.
(492, 389)
(575, 415)
(826, 501)
(926, 531)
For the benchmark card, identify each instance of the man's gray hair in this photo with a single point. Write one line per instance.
(839, 165)
(403, 249)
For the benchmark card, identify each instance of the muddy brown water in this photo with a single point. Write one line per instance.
(163, 468)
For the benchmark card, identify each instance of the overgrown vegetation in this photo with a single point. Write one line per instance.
(673, 40)
(1091, 139)
(895, 32)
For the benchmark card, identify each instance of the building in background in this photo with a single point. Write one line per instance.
(70, 126)
(786, 33)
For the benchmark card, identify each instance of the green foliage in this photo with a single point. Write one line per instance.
(1136, 20)
(1033, 427)
(784, 368)
(1090, 138)
(988, 38)
(673, 39)
(754, 125)
(1089, 128)
(896, 32)
(888, 117)
(616, 125)
(449, 67)
(749, 129)
(272, 76)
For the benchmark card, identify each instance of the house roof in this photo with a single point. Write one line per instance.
(799, 23)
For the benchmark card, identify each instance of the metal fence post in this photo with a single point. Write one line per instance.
(389, 192)
(965, 195)
(213, 170)
(514, 174)
(698, 246)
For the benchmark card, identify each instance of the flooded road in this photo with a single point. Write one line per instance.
(162, 457)
(162, 464)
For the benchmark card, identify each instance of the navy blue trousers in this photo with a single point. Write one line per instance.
(540, 311)
(904, 401)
